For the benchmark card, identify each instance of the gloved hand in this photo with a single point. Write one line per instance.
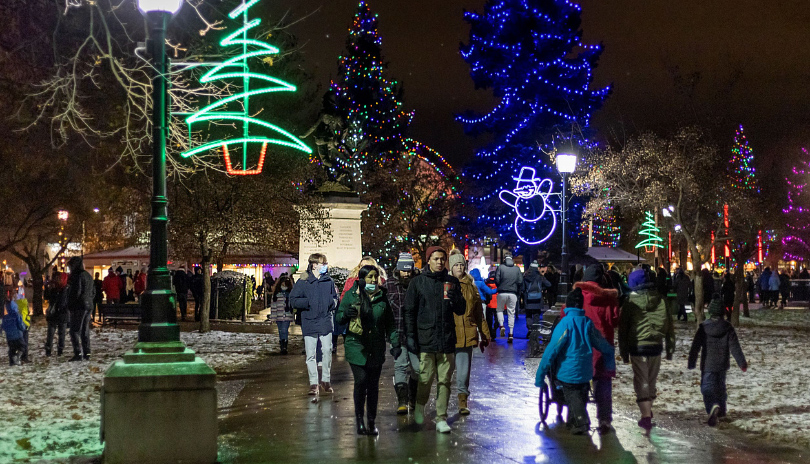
(396, 352)
(352, 312)
(483, 344)
(412, 346)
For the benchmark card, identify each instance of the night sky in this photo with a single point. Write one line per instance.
(750, 58)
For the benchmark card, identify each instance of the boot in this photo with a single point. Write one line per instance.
(283, 346)
(462, 404)
(412, 386)
(402, 398)
(361, 426)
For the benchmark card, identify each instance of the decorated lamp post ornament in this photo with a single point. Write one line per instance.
(235, 109)
(650, 231)
(530, 200)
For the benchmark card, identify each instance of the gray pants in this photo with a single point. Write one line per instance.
(401, 367)
(311, 346)
(463, 364)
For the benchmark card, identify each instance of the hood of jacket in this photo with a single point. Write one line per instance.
(715, 329)
(597, 291)
(476, 275)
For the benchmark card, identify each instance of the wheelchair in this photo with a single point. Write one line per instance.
(552, 392)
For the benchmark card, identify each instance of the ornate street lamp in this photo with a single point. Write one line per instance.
(566, 164)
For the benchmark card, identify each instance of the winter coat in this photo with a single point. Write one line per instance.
(682, 288)
(645, 323)
(728, 292)
(25, 312)
(12, 323)
(378, 324)
(534, 282)
(396, 298)
(570, 350)
(708, 284)
(140, 283)
(317, 299)
(715, 340)
(471, 322)
(81, 291)
(280, 309)
(181, 282)
(112, 287)
(509, 279)
(483, 288)
(773, 282)
(493, 303)
(784, 284)
(429, 322)
(601, 305)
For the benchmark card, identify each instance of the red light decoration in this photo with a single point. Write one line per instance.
(243, 172)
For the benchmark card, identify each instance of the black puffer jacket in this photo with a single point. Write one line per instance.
(429, 322)
(81, 290)
(715, 340)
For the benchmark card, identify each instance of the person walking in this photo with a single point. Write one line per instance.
(430, 302)
(80, 304)
(181, 284)
(773, 287)
(489, 298)
(406, 365)
(367, 312)
(196, 287)
(280, 310)
(112, 287)
(749, 283)
(715, 341)
(98, 296)
(683, 285)
(57, 313)
(471, 330)
(509, 280)
(764, 286)
(645, 326)
(553, 277)
(727, 290)
(315, 295)
(534, 284)
(570, 354)
(601, 306)
(784, 288)
(25, 314)
(492, 307)
(708, 286)
(14, 328)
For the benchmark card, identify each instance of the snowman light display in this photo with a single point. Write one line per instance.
(530, 200)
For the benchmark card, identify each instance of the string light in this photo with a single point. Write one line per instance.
(650, 231)
(796, 243)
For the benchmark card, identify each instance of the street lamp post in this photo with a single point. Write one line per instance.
(566, 164)
(160, 390)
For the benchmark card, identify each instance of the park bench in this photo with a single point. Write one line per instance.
(118, 312)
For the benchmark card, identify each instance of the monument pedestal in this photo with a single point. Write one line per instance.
(344, 249)
(159, 405)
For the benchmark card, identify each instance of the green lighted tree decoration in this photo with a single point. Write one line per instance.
(650, 231)
(223, 110)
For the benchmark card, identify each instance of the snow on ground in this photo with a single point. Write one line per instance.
(50, 409)
(771, 399)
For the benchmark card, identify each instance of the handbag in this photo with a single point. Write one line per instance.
(355, 326)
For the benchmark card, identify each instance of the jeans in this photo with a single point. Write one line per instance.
(576, 397)
(366, 388)
(401, 366)
(80, 332)
(440, 366)
(182, 301)
(283, 330)
(603, 397)
(54, 327)
(645, 373)
(311, 346)
(463, 364)
(510, 301)
(713, 388)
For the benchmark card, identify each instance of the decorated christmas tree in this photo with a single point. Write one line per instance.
(530, 53)
(796, 243)
(606, 231)
(369, 122)
(649, 234)
(234, 111)
(743, 174)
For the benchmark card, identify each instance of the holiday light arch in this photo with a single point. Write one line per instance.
(223, 70)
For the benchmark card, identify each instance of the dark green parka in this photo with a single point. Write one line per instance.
(368, 348)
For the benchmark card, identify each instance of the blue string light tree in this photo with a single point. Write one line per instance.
(530, 53)
(364, 111)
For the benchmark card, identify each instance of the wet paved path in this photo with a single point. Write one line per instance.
(273, 420)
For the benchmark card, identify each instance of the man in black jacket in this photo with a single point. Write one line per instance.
(181, 285)
(430, 302)
(80, 303)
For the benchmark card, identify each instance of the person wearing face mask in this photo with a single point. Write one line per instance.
(367, 312)
(281, 311)
(315, 295)
(404, 384)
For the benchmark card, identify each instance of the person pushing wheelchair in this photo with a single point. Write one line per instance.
(570, 354)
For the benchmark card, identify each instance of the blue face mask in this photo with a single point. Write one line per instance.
(324, 268)
(371, 287)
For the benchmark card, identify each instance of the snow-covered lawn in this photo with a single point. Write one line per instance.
(50, 409)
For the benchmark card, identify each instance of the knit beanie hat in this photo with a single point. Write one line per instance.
(535, 264)
(715, 307)
(575, 299)
(454, 259)
(594, 273)
(636, 279)
(405, 262)
(508, 260)
(432, 250)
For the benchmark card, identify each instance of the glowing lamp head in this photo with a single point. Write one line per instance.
(62, 215)
(169, 6)
(566, 163)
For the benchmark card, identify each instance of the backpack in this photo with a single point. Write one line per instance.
(538, 295)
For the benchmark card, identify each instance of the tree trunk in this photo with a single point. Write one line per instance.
(35, 268)
(205, 264)
(740, 293)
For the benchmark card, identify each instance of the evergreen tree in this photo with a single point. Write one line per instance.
(606, 231)
(743, 174)
(796, 244)
(529, 52)
(371, 122)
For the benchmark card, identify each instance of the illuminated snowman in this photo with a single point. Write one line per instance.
(530, 200)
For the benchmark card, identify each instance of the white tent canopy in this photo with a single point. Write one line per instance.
(612, 255)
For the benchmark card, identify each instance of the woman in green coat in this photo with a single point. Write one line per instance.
(366, 311)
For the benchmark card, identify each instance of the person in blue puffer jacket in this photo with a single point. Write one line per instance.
(483, 288)
(14, 328)
(570, 352)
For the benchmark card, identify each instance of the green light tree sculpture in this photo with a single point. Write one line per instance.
(650, 231)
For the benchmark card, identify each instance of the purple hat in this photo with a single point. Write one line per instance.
(636, 279)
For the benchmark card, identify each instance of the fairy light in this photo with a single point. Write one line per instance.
(796, 243)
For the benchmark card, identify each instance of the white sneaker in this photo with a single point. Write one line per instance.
(419, 413)
(442, 427)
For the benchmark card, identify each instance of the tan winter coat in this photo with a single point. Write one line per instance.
(468, 325)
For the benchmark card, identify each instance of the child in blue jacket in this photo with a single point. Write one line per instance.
(570, 352)
(14, 328)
